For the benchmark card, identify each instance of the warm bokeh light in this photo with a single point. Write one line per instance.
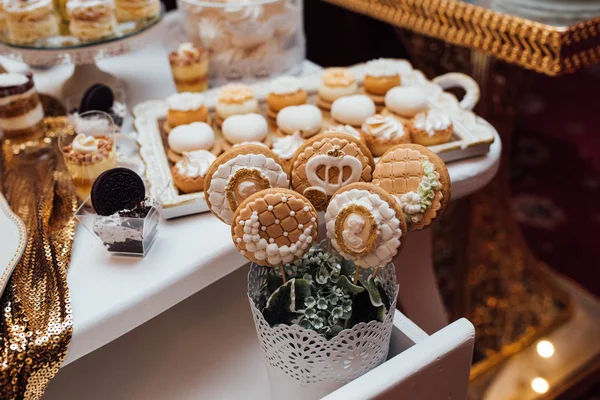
(540, 385)
(545, 349)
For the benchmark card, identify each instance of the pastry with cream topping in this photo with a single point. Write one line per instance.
(430, 128)
(306, 119)
(235, 99)
(335, 83)
(284, 91)
(189, 66)
(382, 132)
(30, 20)
(21, 113)
(352, 110)
(185, 108)
(380, 76)
(286, 146)
(189, 172)
(191, 137)
(238, 129)
(91, 19)
(91, 152)
(134, 10)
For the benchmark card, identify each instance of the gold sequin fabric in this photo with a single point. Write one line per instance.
(36, 319)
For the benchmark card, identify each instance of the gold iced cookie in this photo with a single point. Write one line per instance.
(326, 163)
(365, 224)
(419, 181)
(239, 173)
(274, 227)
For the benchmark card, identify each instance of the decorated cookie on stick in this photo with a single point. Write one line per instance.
(239, 173)
(328, 162)
(418, 179)
(274, 227)
(365, 225)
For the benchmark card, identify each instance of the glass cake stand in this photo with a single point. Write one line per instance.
(65, 50)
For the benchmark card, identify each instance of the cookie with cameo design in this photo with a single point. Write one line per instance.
(274, 227)
(418, 179)
(365, 224)
(239, 173)
(326, 163)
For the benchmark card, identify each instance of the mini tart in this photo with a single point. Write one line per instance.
(274, 227)
(185, 108)
(235, 99)
(336, 83)
(192, 182)
(326, 163)
(239, 173)
(366, 225)
(382, 132)
(238, 129)
(285, 91)
(418, 179)
(431, 128)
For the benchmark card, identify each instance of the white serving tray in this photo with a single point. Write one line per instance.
(206, 348)
(473, 135)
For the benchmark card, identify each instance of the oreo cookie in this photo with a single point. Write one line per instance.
(117, 189)
(99, 97)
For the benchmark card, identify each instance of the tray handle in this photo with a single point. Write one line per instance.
(456, 79)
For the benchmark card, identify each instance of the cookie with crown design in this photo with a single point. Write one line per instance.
(418, 179)
(328, 162)
(274, 227)
(239, 173)
(365, 224)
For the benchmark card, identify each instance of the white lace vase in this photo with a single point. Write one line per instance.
(302, 364)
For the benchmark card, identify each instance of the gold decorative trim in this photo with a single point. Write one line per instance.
(339, 228)
(244, 175)
(543, 48)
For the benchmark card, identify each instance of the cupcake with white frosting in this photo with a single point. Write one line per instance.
(382, 132)
(284, 91)
(189, 172)
(191, 137)
(430, 128)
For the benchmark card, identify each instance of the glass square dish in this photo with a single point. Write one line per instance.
(123, 235)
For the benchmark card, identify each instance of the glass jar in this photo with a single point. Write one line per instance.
(247, 40)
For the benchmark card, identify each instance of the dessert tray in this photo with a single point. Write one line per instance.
(14, 238)
(473, 135)
(70, 50)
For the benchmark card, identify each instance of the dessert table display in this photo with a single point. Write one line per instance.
(150, 288)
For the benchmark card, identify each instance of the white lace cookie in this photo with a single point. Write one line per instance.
(328, 162)
(274, 227)
(365, 224)
(239, 173)
(418, 179)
